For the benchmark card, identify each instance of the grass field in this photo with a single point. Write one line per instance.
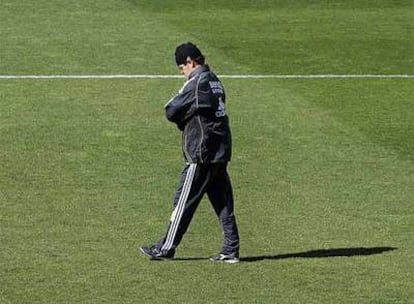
(323, 169)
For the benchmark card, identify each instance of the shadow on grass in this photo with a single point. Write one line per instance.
(320, 253)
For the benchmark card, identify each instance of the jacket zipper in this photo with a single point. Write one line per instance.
(200, 124)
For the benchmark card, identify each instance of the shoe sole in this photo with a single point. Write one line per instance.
(233, 261)
(153, 257)
(144, 253)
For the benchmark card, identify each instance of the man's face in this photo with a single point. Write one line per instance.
(187, 67)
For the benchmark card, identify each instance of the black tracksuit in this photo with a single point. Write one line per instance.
(199, 112)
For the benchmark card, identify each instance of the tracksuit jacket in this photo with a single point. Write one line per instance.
(199, 112)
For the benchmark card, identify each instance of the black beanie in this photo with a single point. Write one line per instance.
(185, 50)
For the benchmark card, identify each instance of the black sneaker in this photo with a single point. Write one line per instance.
(156, 254)
(226, 258)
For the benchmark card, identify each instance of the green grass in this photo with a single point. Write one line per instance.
(323, 168)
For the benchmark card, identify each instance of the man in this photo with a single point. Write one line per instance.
(199, 112)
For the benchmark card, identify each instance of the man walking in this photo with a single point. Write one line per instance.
(199, 112)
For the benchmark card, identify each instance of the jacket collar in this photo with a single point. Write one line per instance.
(200, 69)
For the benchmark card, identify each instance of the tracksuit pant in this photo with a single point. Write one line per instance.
(197, 180)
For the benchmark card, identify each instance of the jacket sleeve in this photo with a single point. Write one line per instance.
(178, 108)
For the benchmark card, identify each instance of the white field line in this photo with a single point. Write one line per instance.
(148, 76)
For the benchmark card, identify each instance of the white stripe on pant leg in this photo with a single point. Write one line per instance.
(179, 209)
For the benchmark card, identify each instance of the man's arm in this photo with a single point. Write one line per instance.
(177, 108)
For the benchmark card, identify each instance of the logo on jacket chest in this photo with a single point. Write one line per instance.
(221, 110)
